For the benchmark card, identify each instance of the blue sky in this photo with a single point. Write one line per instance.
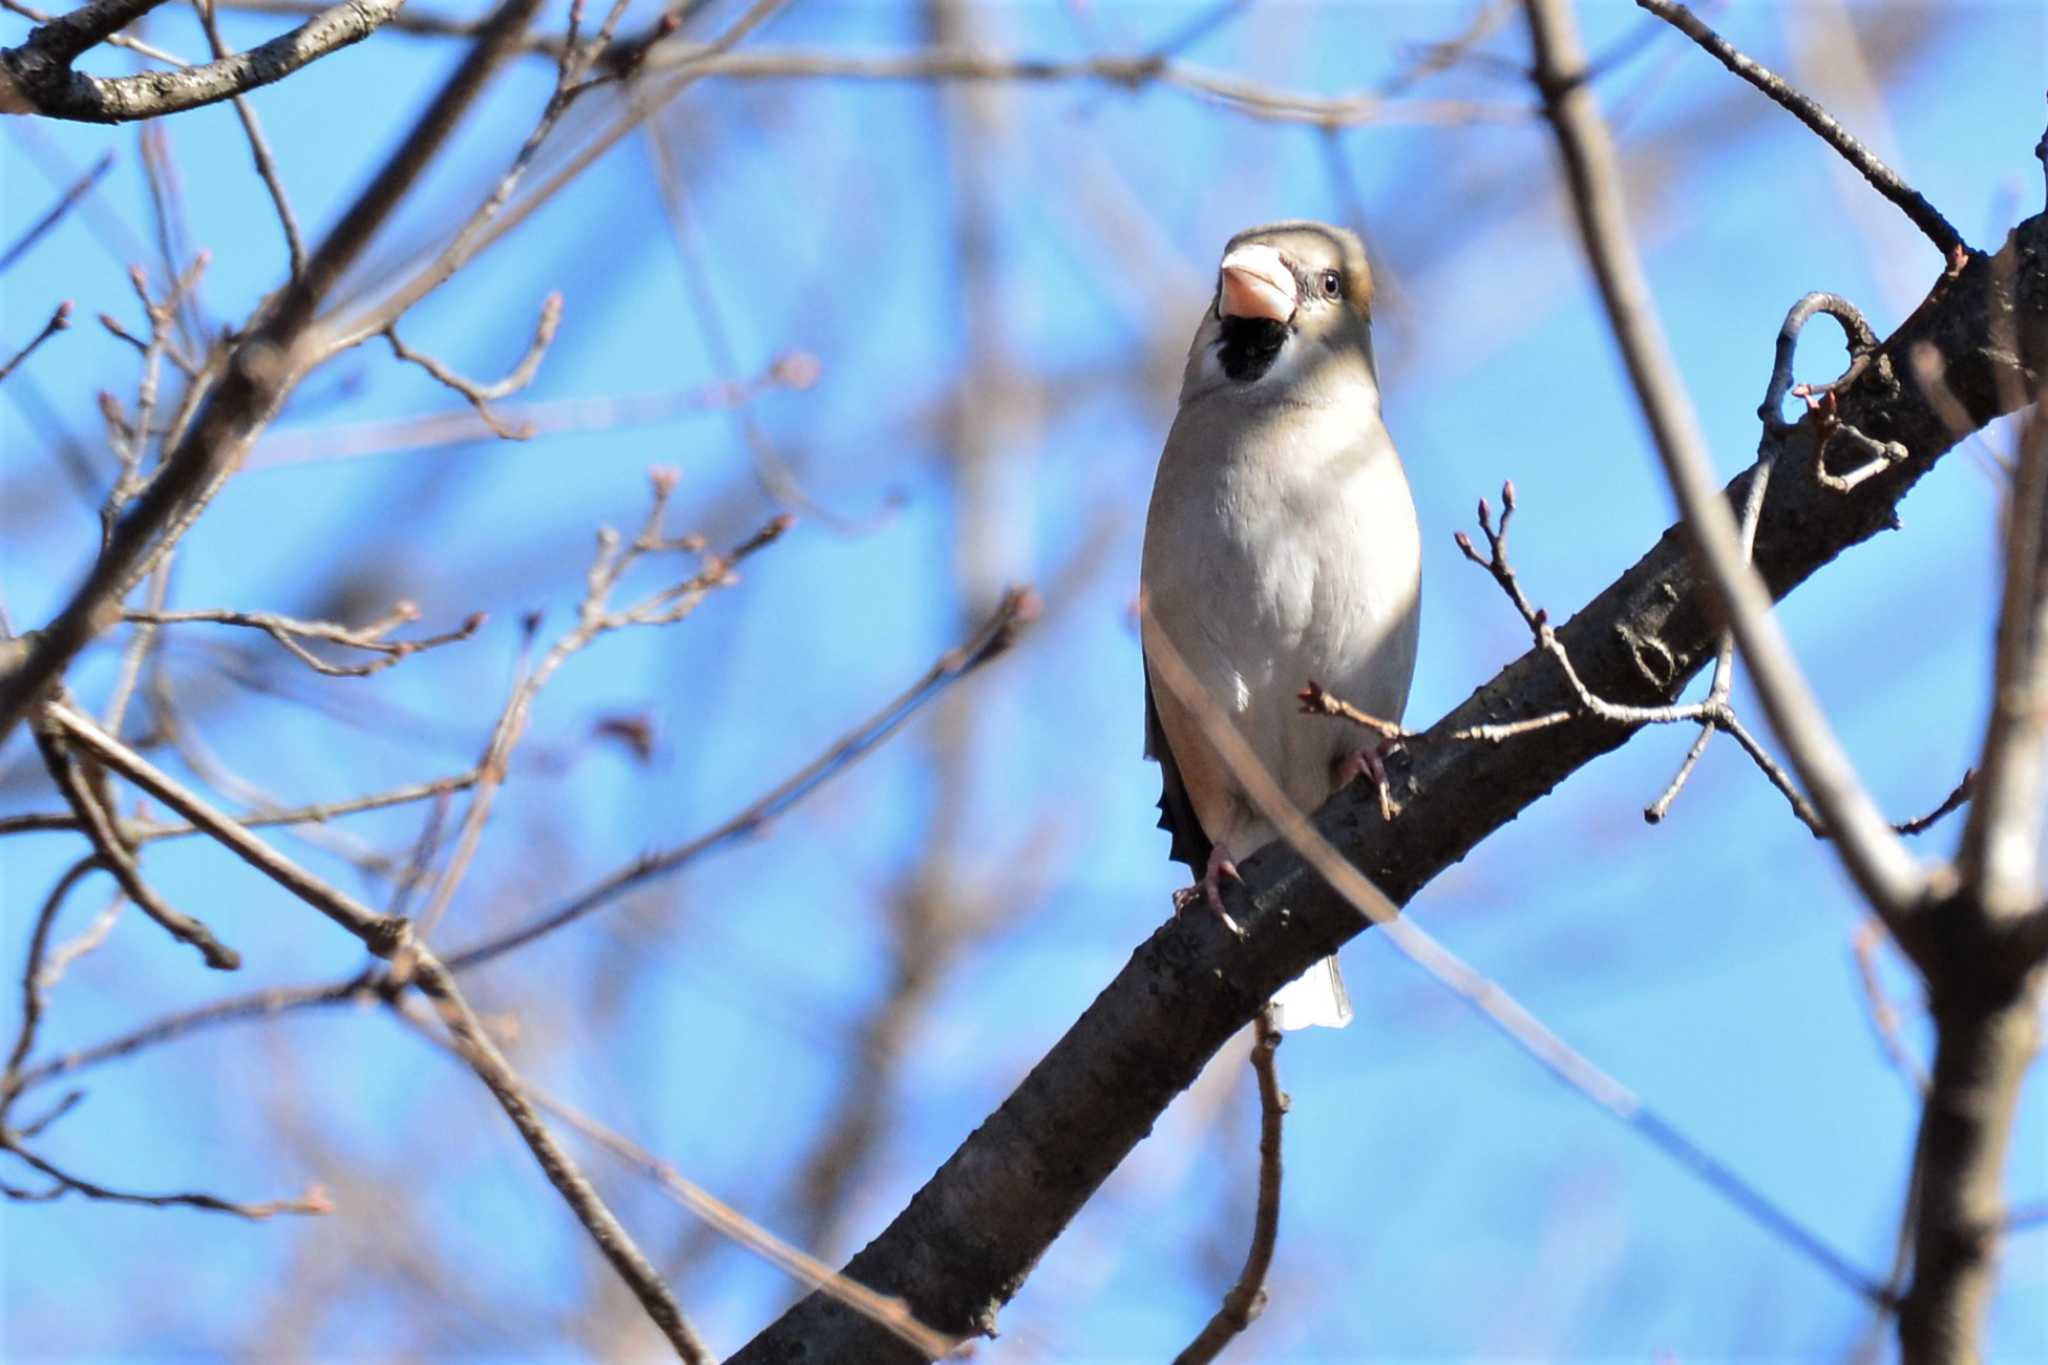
(1444, 1198)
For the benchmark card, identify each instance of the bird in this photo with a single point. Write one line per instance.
(1281, 546)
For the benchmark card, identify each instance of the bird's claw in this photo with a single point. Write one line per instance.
(1210, 889)
(1366, 761)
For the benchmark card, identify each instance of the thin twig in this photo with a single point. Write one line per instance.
(263, 1004)
(99, 826)
(317, 813)
(1317, 700)
(596, 616)
(1724, 660)
(288, 632)
(137, 654)
(66, 201)
(1715, 712)
(492, 218)
(995, 637)
(1821, 399)
(480, 396)
(1247, 1296)
(1951, 803)
(259, 147)
(85, 941)
(387, 936)
(1019, 607)
(1884, 1017)
(1882, 178)
(59, 320)
(13, 1081)
(475, 1046)
(795, 370)
(648, 52)
(722, 1217)
(313, 1202)
(381, 934)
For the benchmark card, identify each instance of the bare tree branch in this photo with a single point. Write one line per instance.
(262, 370)
(59, 320)
(729, 1222)
(36, 78)
(1247, 1297)
(1999, 860)
(77, 191)
(1880, 864)
(1985, 976)
(612, 1239)
(1881, 177)
(313, 1201)
(389, 937)
(259, 147)
(99, 826)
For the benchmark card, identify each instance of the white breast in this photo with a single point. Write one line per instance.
(1282, 547)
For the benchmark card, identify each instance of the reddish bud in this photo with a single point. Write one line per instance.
(796, 370)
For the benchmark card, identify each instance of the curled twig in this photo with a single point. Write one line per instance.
(1857, 331)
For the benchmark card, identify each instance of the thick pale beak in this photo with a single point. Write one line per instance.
(1257, 284)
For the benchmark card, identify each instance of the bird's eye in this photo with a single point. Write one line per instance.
(1332, 284)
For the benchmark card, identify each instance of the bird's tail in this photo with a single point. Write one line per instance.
(1316, 997)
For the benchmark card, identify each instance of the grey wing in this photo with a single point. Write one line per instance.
(1176, 811)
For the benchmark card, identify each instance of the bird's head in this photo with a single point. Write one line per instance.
(1293, 307)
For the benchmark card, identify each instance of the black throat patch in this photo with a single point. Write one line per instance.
(1250, 345)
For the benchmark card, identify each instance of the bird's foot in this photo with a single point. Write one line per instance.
(1368, 761)
(1210, 888)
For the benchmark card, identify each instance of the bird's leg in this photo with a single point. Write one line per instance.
(1210, 888)
(1369, 760)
